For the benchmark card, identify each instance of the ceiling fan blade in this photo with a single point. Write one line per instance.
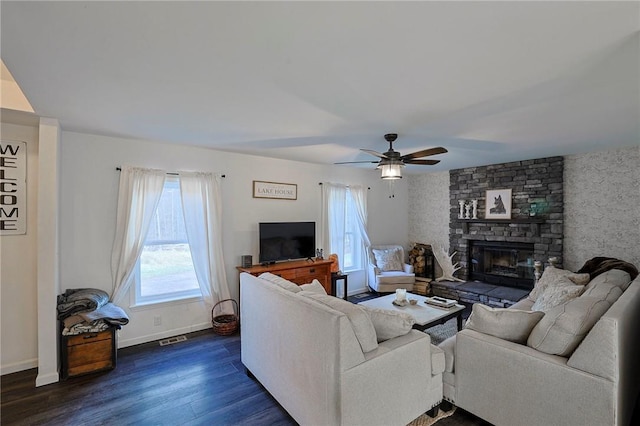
(424, 153)
(376, 153)
(422, 162)
(354, 162)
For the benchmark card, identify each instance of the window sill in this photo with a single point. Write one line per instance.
(142, 306)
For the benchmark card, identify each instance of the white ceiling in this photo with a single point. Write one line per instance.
(316, 81)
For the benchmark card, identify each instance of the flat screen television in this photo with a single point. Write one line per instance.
(286, 241)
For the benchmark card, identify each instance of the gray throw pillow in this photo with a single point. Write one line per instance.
(508, 324)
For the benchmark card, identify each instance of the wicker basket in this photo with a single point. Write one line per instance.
(225, 324)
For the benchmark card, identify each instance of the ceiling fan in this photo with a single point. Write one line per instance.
(392, 162)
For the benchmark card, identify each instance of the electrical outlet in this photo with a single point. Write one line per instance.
(157, 321)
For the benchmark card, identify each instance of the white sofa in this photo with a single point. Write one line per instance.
(307, 355)
(386, 280)
(597, 383)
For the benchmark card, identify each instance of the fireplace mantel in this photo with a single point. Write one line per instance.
(534, 222)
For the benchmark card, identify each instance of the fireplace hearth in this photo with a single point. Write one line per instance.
(507, 264)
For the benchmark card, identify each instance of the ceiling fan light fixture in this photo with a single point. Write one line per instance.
(391, 170)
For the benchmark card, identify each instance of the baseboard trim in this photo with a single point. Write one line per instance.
(14, 367)
(162, 335)
(47, 379)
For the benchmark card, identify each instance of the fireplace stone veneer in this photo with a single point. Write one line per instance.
(538, 182)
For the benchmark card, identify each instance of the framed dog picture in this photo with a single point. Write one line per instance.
(497, 204)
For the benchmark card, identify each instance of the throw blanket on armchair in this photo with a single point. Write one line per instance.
(598, 265)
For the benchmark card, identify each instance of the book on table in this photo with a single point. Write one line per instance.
(440, 301)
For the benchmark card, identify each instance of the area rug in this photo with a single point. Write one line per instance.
(441, 332)
(425, 420)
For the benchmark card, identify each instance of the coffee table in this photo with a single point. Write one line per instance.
(425, 315)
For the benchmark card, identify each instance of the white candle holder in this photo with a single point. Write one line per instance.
(475, 208)
(461, 204)
(401, 295)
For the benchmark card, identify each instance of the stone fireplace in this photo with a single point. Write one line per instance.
(534, 231)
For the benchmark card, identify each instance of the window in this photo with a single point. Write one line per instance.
(353, 247)
(165, 269)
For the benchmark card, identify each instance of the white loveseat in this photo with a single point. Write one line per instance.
(552, 378)
(309, 358)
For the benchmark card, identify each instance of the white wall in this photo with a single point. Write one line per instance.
(89, 183)
(18, 278)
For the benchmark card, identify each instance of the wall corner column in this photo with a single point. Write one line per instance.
(48, 250)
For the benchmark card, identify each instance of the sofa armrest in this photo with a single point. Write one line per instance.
(392, 385)
(520, 378)
(408, 268)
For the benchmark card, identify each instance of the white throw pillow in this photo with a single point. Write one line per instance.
(360, 321)
(389, 324)
(555, 295)
(286, 284)
(555, 276)
(388, 259)
(513, 325)
(314, 287)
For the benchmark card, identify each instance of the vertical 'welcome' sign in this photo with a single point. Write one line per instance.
(13, 188)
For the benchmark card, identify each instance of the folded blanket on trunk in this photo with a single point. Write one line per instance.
(76, 300)
(598, 265)
(85, 327)
(109, 313)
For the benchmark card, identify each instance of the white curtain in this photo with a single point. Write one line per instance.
(138, 196)
(359, 197)
(202, 206)
(334, 210)
(334, 215)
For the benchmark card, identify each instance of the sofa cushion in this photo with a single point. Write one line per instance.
(314, 287)
(557, 294)
(389, 324)
(360, 320)
(508, 324)
(286, 284)
(388, 259)
(395, 277)
(614, 276)
(555, 276)
(563, 327)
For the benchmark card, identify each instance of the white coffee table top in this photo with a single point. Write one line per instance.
(423, 313)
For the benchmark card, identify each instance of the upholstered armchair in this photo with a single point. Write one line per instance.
(387, 269)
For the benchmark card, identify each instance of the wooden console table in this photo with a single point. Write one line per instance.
(297, 271)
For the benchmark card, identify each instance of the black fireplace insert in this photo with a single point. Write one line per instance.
(502, 263)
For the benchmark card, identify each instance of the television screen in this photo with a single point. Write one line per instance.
(287, 240)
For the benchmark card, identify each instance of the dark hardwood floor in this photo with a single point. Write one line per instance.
(197, 382)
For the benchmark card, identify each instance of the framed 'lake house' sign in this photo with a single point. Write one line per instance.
(498, 204)
(281, 191)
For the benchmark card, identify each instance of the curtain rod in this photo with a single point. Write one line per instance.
(320, 183)
(172, 174)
